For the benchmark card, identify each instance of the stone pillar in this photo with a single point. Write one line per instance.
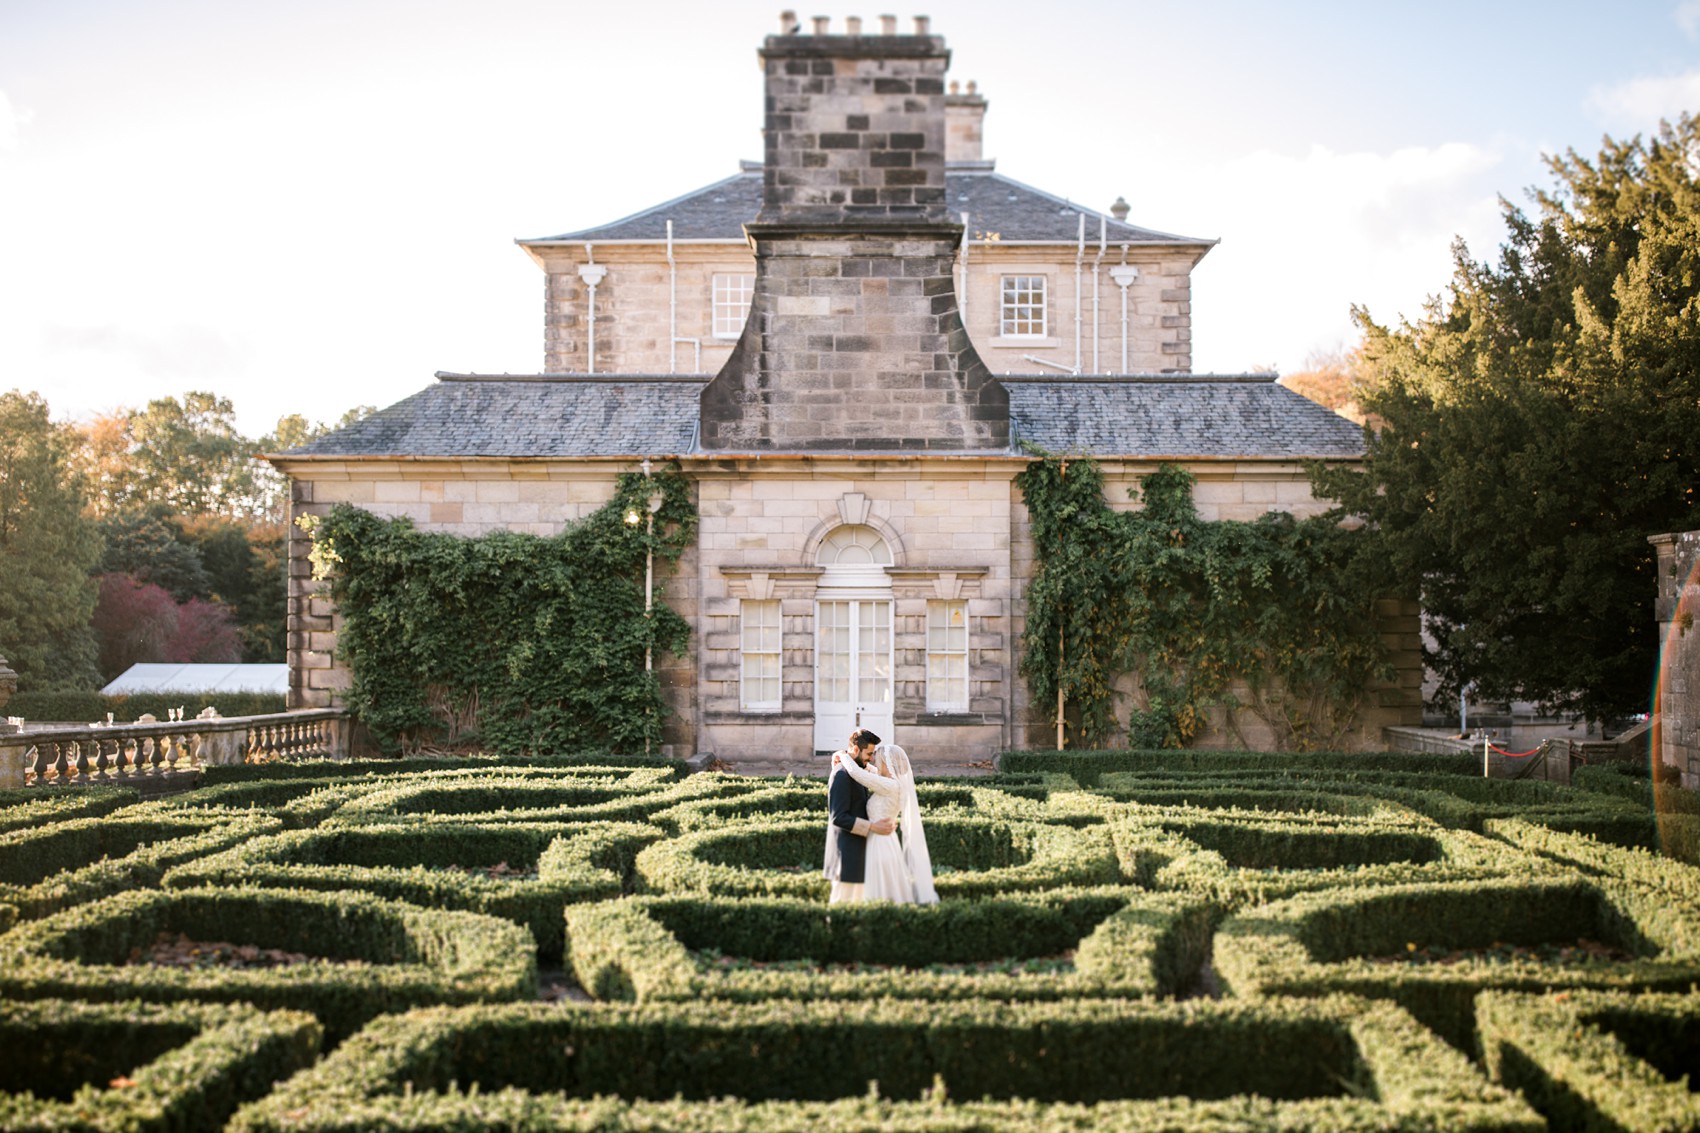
(1676, 706)
(855, 341)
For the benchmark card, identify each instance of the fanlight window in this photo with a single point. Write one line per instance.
(855, 557)
(854, 546)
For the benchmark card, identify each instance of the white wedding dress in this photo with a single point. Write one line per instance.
(898, 866)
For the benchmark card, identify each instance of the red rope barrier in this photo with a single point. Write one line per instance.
(1515, 754)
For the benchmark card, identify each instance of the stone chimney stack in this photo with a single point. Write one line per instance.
(965, 121)
(854, 341)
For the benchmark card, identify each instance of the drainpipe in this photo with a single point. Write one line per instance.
(1079, 263)
(1124, 274)
(672, 306)
(1103, 231)
(592, 273)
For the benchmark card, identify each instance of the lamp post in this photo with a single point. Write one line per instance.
(633, 517)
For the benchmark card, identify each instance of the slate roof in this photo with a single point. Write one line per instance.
(1017, 213)
(573, 416)
(462, 416)
(1177, 417)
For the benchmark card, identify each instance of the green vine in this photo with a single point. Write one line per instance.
(1275, 616)
(521, 643)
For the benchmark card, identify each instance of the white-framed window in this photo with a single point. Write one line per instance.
(758, 687)
(1021, 306)
(731, 303)
(947, 656)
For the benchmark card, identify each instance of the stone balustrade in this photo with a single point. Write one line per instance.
(148, 753)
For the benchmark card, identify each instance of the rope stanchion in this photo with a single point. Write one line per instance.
(1517, 754)
(1488, 746)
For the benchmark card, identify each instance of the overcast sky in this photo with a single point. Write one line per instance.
(310, 205)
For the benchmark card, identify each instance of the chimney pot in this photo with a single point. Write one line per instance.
(823, 24)
(972, 86)
(921, 23)
(888, 25)
(852, 25)
(1119, 209)
(788, 24)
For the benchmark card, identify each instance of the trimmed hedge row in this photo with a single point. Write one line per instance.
(1086, 766)
(143, 1067)
(81, 859)
(1597, 1060)
(1125, 944)
(995, 856)
(1235, 860)
(1324, 1065)
(27, 808)
(1456, 801)
(89, 707)
(413, 863)
(1355, 941)
(368, 955)
(794, 798)
(486, 800)
(343, 768)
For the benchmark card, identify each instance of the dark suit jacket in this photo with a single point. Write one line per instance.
(847, 800)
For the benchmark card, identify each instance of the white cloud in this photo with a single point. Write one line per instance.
(1637, 105)
(1304, 237)
(12, 122)
(1687, 17)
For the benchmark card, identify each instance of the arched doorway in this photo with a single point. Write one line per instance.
(853, 639)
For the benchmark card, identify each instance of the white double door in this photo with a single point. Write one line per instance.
(853, 686)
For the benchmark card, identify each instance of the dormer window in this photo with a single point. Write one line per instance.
(732, 303)
(1022, 307)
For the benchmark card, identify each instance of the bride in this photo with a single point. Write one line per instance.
(900, 871)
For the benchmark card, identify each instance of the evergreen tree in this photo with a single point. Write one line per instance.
(47, 549)
(1539, 423)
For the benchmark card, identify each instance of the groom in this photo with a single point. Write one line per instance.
(847, 802)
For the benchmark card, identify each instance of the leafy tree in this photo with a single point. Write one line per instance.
(147, 546)
(1332, 379)
(134, 622)
(137, 621)
(1539, 423)
(189, 456)
(46, 551)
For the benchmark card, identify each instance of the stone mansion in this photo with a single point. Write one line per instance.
(851, 349)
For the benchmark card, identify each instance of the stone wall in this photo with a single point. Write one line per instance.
(1223, 490)
(958, 531)
(456, 497)
(635, 296)
(1676, 704)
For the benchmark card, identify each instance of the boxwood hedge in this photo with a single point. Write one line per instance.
(142, 1067)
(61, 864)
(972, 857)
(1597, 1060)
(1364, 941)
(25, 808)
(1332, 1065)
(552, 868)
(1125, 943)
(366, 955)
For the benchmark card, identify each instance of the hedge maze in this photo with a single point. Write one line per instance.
(1124, 941)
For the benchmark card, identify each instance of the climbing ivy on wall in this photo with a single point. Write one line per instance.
(521, 643)
(1283, 607)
